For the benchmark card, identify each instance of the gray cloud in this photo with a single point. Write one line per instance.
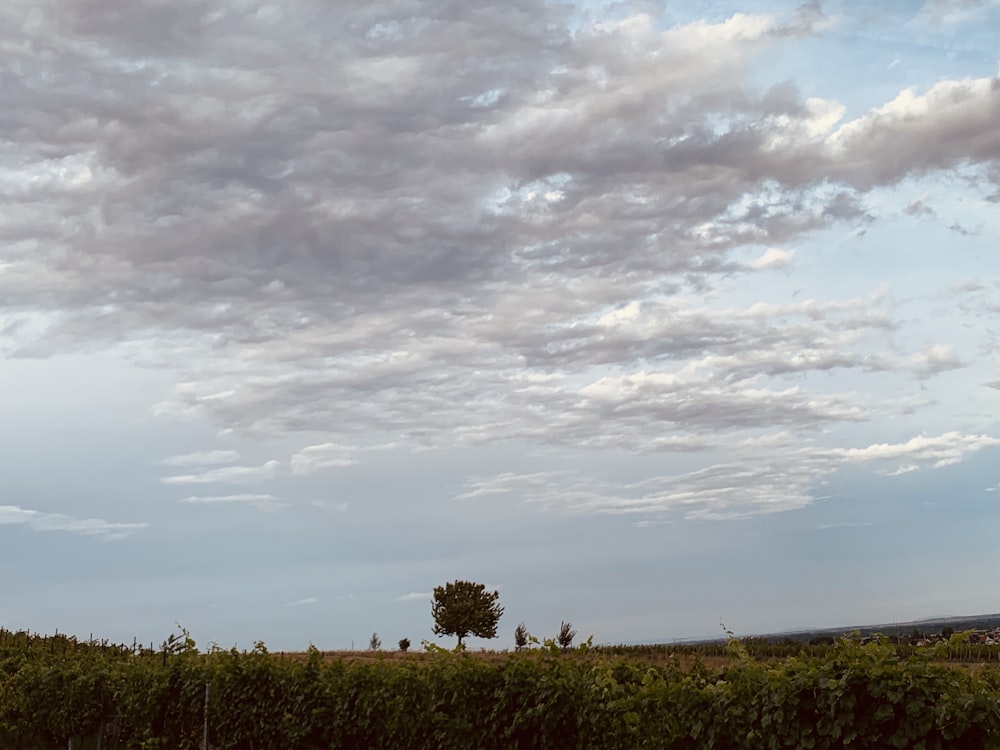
(918, 208)
(964, 231)
(947, 126)
(302, 181)
(448, 224)
(515, 387)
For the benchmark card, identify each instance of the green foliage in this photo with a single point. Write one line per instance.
(463, 608)
(404, 644)
(851, 695)
(433, 648)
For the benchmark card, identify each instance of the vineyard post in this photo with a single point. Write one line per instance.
(208, 693)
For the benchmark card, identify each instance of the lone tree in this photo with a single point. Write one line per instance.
(464, 608)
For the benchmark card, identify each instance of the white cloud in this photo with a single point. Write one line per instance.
(763, 477)
(261, 501)
(936, 451)
(773, 258)
(718, 492)
(624, 315)
(934, 360)
(650, 523)
(900, 470)
(11, 514)
(40, 521)
(335, 507)
(951, 12)
(228, 474)
(202, 458)
(323, 456)
(303, 602)
(415, 596)
(844, 525)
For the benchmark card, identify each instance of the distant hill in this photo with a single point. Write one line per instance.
(926, 626)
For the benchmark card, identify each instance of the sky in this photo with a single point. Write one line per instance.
(655, 317)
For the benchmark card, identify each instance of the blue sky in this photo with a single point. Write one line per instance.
(651, 316)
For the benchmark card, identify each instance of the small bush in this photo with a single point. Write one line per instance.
(566, 635)
(521, 636)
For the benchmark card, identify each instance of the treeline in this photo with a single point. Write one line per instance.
(23, 642)
(854, 695)
(957, 650)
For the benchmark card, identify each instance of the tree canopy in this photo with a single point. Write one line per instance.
(463, 608)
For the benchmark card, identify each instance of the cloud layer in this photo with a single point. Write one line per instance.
(322, 304)
(448, 225)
